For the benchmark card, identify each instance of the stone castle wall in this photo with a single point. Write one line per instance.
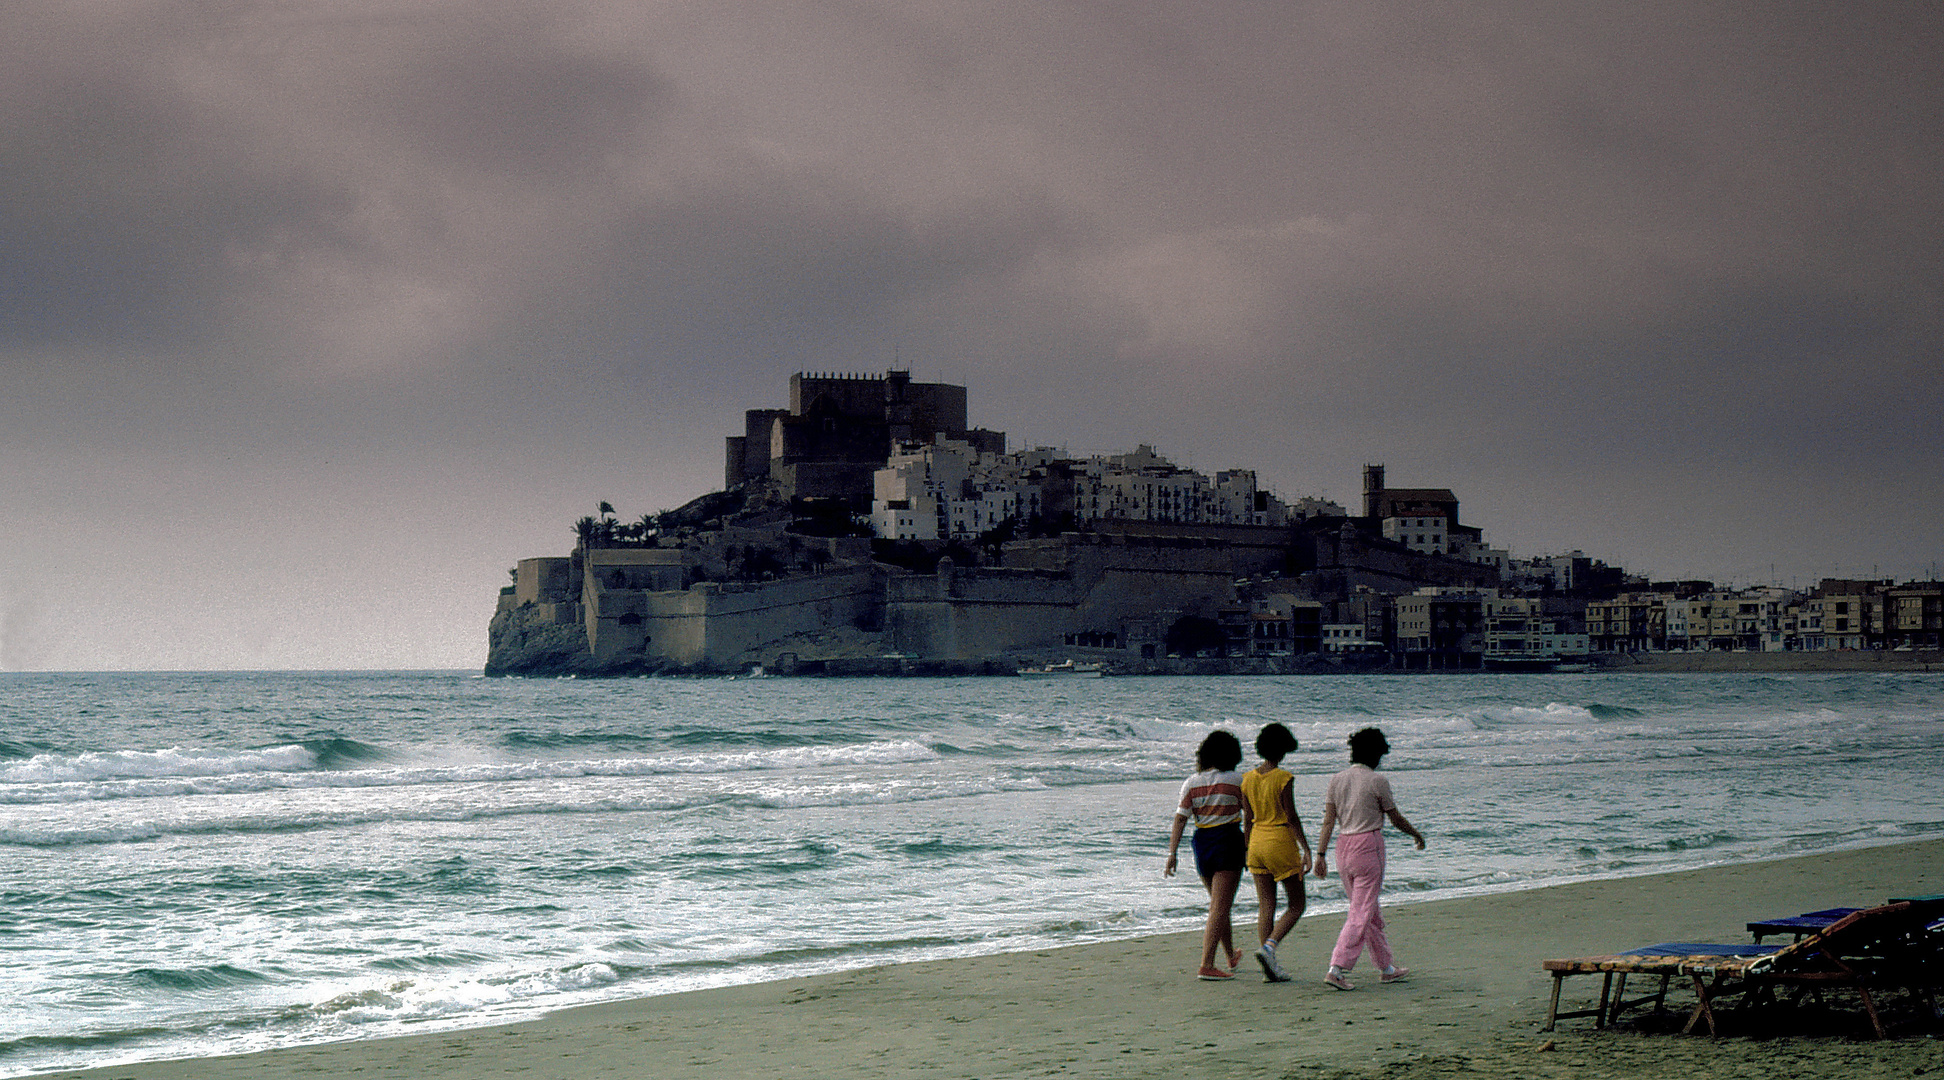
(543, 580)
(1123, 589)
(709, 625)
(1122, 586)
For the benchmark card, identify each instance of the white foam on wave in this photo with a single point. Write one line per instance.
(315, 808)
(1099, 767)
(417, 1000)
(173, 762)
(1552, 713)
(171, 773)
(860, 793)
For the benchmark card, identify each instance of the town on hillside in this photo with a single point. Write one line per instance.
(867, 529)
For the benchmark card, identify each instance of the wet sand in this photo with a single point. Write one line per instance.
(1473, 1008)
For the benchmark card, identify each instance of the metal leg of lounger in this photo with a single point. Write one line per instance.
(1607, 1000)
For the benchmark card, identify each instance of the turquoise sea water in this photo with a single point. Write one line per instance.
(195, 864)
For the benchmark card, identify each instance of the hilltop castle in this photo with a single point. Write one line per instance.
(949, 553)
(840, 429)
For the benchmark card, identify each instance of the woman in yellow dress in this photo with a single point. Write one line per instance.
(1278, 849)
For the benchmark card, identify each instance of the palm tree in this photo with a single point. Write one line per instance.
(586, 529)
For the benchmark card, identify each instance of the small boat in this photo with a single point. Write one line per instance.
(1066, 669)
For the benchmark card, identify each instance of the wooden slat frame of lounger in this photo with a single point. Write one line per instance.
(1816, 961)
(1613, 997)
(1912, 956)
(1613, 1000)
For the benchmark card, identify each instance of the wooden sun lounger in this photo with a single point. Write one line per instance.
(1667, 960)
(1800, 926)
(1872, 949)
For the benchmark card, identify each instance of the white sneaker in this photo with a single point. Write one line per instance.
(1271, 970)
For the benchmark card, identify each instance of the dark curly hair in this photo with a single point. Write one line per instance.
(1368, 747)
(1275, 743)
(1220, 750)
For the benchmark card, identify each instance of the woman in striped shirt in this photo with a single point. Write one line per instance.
(1212, 798)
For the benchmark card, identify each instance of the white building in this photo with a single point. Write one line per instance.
(1422, 534)
(982, 512)
(1762, 618)
(905, 519)
(916, 482)
(972, 493)
(1516, 629)
(1477, 551)
(1677, 624)
(1348, 638)
(1310, 506)
(1563, 572)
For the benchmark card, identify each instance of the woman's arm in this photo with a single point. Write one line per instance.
(1174, 844)
(1323, 840)
(1403, 826)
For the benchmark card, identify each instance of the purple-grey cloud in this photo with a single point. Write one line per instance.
(1611, 267)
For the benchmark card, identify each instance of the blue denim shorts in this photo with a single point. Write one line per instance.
(1219, 848)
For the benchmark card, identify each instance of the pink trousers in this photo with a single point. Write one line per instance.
(1360, 863)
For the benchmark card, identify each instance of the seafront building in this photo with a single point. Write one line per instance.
(1837, 615)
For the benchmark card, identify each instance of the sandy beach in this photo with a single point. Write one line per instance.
(1800, 663)
(1475, 1006)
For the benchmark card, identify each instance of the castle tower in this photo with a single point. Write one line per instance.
(1373, 489)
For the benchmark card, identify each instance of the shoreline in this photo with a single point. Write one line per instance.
(1473, 1008)
(1754, 662)
(1307, 664)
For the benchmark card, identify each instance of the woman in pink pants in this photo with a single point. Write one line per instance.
(1356, 803)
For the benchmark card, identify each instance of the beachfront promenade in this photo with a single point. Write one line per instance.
(1133, 1008)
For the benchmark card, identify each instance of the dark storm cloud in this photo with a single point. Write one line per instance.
(788, 270)
(1662, 250)
(513, 104)
(120, 213)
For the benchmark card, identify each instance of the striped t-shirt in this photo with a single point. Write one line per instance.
(1211, 798)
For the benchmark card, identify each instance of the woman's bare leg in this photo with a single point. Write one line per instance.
(1266, 909)
(1221, 897)
(1298, 903)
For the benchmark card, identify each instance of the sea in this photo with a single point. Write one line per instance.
(195, 864)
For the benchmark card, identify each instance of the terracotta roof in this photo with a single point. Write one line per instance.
(1418, 494)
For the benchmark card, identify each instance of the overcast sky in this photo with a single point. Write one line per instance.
(316, 317)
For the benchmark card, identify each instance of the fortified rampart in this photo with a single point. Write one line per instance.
(546, 580)
(716, 625)
(1340, 561)
(957, 612)
(1124, 588)
(636, 610)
